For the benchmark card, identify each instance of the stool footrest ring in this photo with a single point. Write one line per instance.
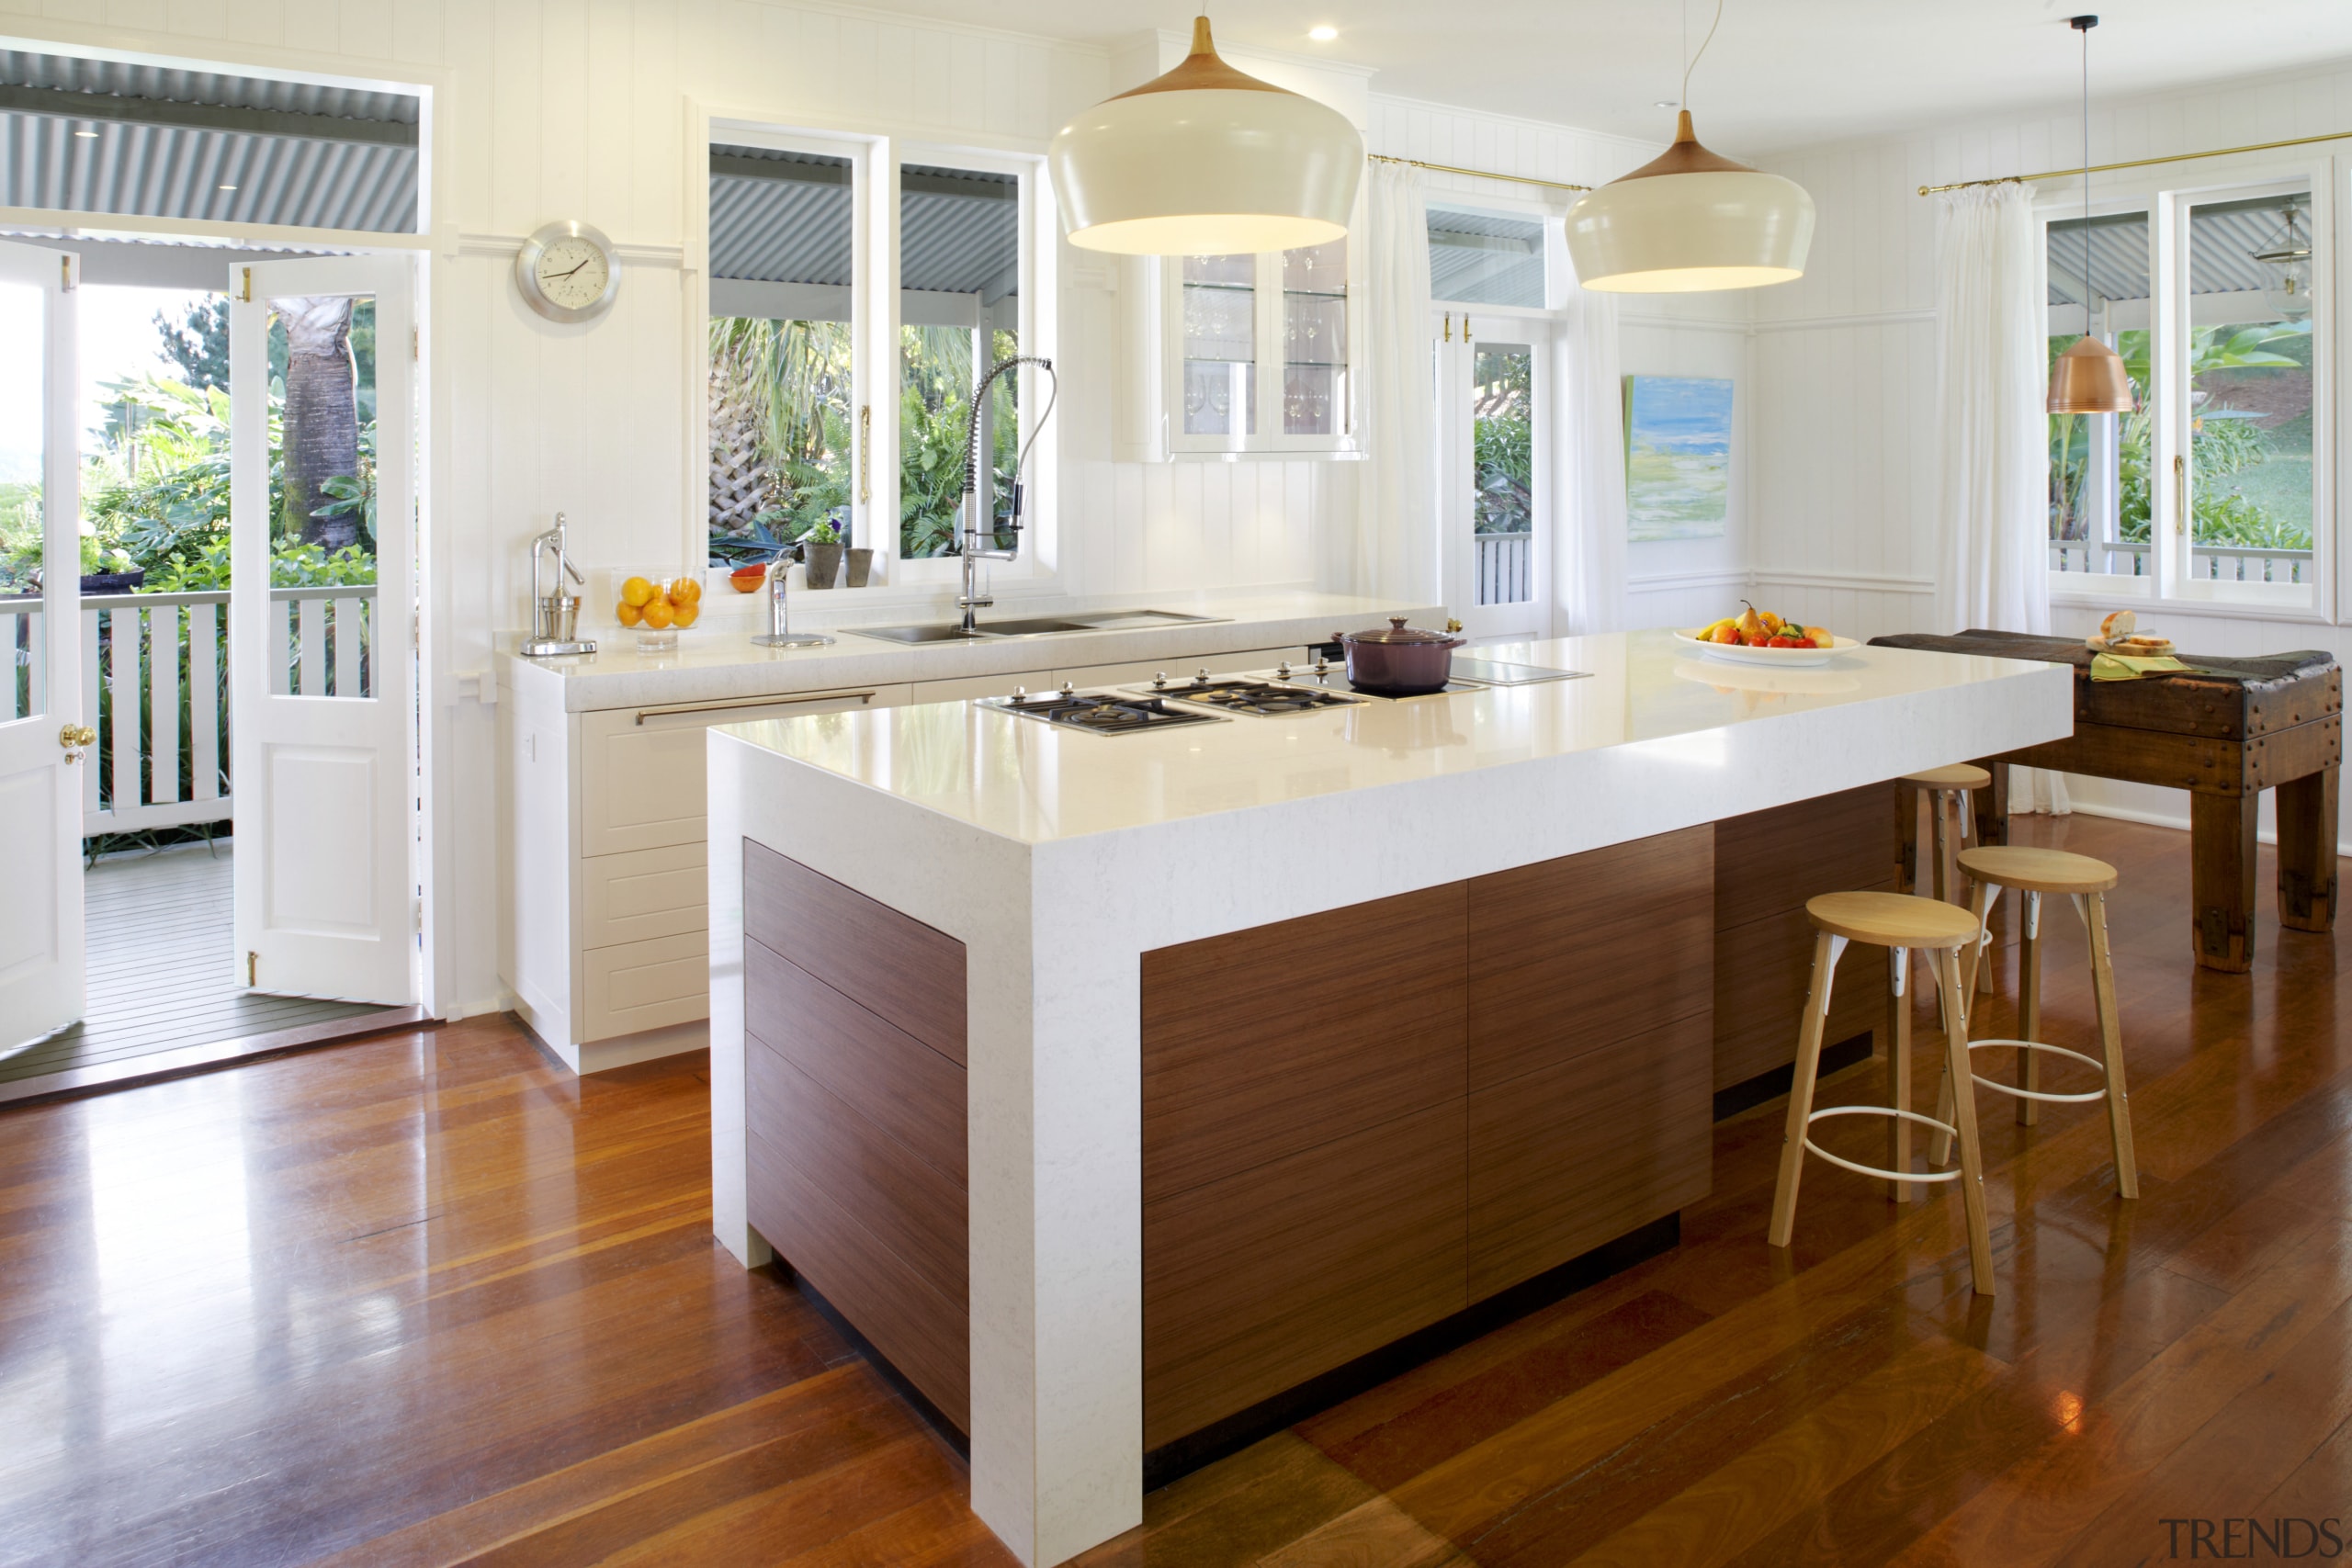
(2015, 1092)
(1943, 1127)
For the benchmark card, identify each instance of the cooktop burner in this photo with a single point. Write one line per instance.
(1332, 676)
(1241, 693)
(1098, 712)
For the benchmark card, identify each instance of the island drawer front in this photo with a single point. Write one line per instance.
(1265, 1043)
(1572, 954)
(642, 894)
(1762, 971)
(644, 985)
(902, 1086)
(1256, 1282)
(904, 1203)
(897, 967)
(922, 1334)
(1574, 1154)
(1770, 862)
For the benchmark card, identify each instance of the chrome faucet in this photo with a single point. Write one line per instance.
(973, 541)
(780, 632)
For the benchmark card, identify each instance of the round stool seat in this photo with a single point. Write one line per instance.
(1959, 775)
(1893, 919)
(2037, 871)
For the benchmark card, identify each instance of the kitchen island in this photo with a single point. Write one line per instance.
(1118, 1087)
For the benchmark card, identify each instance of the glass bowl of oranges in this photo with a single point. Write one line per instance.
(658, 608)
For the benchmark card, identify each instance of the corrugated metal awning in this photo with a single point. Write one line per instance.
(2223, 240)
(785, 218)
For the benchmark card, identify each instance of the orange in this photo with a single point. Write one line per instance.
(686, 591)
(658, 614)
(637, 591)
(628, 613)
(684, 615)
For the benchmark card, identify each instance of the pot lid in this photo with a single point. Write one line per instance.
(1398, 632)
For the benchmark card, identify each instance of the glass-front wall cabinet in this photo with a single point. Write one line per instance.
(1259, 355)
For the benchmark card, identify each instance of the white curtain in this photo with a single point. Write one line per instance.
(1992, 567)
(1588, 443)
(1395, 549)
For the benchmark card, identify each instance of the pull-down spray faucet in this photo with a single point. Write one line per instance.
(975, 534)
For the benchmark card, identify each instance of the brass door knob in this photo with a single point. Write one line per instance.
(75, 736)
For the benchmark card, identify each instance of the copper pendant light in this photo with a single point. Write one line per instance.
(2089, 376)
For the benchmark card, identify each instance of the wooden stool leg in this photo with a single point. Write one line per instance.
(1947, 863)
(2110, 1032)
(2221, 852)
(1898, 1073)
(1906, 821)
(1964, 1117)
(2307, 809)
(1975, 973)
(2030, 1007)
(1817, 1004)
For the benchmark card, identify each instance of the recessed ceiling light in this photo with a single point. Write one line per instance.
(228, 187)
(1323, 34)
(1666, 104)
(91, 135)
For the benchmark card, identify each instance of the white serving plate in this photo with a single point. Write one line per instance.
(1786, 658)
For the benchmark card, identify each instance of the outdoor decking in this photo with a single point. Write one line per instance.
(162, 977)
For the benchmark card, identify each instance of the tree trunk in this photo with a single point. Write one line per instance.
(322, 414)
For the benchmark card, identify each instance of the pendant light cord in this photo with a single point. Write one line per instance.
(2087, 181)
(1692, 64)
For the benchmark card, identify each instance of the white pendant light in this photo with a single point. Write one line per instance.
(1691, 221)
(1206, 161)
(2090, 377)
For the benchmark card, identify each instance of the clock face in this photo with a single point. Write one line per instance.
(571, 272)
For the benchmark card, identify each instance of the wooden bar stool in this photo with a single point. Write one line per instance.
(1898, 922)
(1950, 792)
(2087, 881)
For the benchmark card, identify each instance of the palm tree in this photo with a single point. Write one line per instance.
(321, 415)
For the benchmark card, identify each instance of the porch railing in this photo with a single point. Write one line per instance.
(2213, 563)
(156, 674)
(1506, 563)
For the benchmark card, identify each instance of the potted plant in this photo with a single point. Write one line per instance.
(821, 547)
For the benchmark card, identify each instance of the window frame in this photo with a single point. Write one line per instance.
(2171, 582)
(1266, 369)
(875, 154)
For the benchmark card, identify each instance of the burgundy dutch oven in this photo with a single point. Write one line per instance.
(1401, 661)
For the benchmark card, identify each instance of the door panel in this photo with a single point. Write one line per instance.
(41, 768)
(322, 664)
(1494, 454)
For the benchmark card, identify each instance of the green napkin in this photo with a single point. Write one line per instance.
(2123, 667)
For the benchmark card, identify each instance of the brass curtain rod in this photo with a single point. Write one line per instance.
(2137, 162)
(1473, 174)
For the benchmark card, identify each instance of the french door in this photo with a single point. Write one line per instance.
(1494, 462)
(322, 656)
(42, 745)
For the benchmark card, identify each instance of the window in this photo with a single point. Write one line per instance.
(1486, 258)
(1261, 352)
(959, 314)
(2212, 489)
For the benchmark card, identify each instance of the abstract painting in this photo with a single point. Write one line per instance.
(1678, 458)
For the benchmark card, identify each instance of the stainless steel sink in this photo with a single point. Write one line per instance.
(1048, 625)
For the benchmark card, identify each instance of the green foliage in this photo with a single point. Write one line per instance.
(798, 374)
(198, 344)
(1503, 442)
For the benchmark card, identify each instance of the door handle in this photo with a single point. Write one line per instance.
(74, 737)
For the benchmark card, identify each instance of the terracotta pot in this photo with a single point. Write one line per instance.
(1401, 661)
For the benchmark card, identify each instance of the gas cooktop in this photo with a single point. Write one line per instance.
(1325, 675)
(1098, 713)
(1248, 695)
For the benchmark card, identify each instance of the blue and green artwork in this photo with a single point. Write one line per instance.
(1677, 457)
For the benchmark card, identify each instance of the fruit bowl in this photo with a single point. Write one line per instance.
(1786, 658)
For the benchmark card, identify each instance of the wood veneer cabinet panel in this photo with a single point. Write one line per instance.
(924, 1336)
(1762, 970)
(1574, 1154)
(901, 1201)
(1769, 861)
(899, 967)
(1571, 954)
(1265, 1043)
(902, 1086)
(1258, 1281)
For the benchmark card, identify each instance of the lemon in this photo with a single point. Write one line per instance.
(684, 615)
(658, 614)
(636, 592)
(627, 614)
(686, 591)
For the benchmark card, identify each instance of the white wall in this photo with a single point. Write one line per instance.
(1842, 491)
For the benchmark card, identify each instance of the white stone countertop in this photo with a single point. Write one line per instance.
(715, 659)
(1669, 713)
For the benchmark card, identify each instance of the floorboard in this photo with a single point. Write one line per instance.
(429, 1299)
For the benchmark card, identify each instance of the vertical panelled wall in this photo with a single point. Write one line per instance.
(1843, 493)
(1670, 583)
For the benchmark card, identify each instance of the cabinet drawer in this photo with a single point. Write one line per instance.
(643, 774)
(644, 985)
(643, 893)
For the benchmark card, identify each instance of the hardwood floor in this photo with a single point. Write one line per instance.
(430, 1299)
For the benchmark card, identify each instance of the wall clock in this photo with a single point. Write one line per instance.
(566, 272)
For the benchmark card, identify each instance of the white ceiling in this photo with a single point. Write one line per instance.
(1783, 73)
